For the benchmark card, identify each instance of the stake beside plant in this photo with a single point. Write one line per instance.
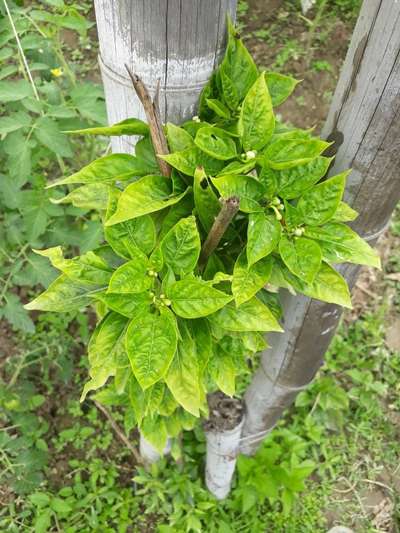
(185, 290)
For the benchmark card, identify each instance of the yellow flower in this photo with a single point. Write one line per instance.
(57, 72)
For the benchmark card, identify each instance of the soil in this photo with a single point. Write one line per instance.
(225, 413)
(288, 31)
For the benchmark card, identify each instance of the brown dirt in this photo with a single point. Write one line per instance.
(225, 412)
(310, 103)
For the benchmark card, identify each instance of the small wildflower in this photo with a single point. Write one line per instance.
(57, 72)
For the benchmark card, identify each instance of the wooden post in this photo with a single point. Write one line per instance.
(364, 122)
(178, 42)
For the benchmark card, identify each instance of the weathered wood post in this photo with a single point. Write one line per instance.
(178, 42)
(364, 122)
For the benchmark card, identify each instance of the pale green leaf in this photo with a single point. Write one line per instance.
(183, 374)
(252, 315)
(288, 153)
(256, 120)
(181, 246)
(248, 280)
(132, 277)
(151, 344)
(216, 143)
(302, 256)
(263, 234)
(147, 195)
(130, 126)
(340, 244)
(246, 188)
(319, 204)
(194, 298)
(107, 169)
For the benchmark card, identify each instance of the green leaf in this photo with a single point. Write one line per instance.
(147, 195)
(344, 213)
(288, 153)
(319, 204)
(13, 122)
(247, 281)
(279, 87)
(328, 286)
(301, 256)
(183, 374)
(92, 196)
(154, 430)
(107, 169)
(12, 91)
(87, 269)
(201, 333)
(246, 188)
(130, 126)
(237, 71)
(216, 143)
(188, 160)
(106, 351)
(127, 237)
(263, 234)
(131, 277)
(340, 244)
(129, 305)
(181, 246)
(194, 298)
(238, 167)
(252, 315)
(14, 312)
(47, 133)
(256, 121)
(151, 344)
(293, 182)
(63, 295)
(222, 370)
(218, 107)
(178, 138)
(205, 200)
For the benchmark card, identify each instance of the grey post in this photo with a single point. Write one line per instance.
(364, 122)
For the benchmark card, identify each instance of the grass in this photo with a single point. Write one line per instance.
(64, 469)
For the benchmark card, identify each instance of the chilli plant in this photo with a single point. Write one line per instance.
(201, 227)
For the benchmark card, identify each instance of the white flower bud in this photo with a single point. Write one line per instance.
(251, 154)
(196, 119)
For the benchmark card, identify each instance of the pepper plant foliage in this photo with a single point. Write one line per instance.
(173, 329)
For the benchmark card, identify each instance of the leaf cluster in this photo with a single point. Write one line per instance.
(173, 327)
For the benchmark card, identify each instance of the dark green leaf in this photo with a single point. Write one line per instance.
(280, 87)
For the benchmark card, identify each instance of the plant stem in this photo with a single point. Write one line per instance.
(20, 50)
(152, 110)
(229, 208)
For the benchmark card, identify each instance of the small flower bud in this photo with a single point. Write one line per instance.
(298, 232)
(167, 302)
(281, 207)
(150, 272)
(276, 201)
(162, 296)
(251, 154)
(196, 119)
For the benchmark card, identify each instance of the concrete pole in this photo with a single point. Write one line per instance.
(364, 122)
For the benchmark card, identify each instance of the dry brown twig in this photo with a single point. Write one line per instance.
(152, 110)
(119, 432)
